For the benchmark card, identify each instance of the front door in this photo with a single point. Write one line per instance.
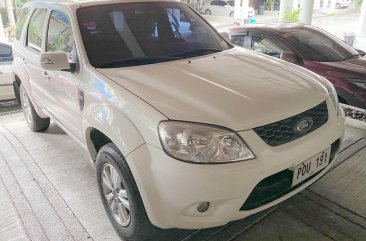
(64, 85)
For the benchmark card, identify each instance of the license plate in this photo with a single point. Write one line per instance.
(311, 166)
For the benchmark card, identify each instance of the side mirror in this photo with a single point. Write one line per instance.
(226, 35)
(289, 57)
(55, 61)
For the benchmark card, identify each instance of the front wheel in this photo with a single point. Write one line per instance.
(120, 196)
(208, 12)
(34, 121)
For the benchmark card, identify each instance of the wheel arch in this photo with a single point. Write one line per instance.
(103, 124)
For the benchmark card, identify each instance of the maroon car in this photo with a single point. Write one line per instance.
(313, 49)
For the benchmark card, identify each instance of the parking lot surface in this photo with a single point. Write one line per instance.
(48, 191)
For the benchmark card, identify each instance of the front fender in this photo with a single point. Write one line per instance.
(113, 124)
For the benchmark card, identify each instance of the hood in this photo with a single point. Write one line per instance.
(357, 65)
(237, 89)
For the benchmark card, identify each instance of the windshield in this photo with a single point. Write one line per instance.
(129, 34)
(317, 45)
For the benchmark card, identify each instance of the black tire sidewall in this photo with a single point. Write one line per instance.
(139, 227)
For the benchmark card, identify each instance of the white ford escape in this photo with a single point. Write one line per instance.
(185, 130)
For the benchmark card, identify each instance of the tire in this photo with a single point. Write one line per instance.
(232, 14)
(34, 121)
(208, 12)
(133, 224)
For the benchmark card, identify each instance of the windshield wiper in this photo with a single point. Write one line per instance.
(137, 61)
(197, 52)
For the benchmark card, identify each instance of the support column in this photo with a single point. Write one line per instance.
(285, 5)
(306, 13)
(362, 24)
(9, 9)
(237, 9)
(2, 32)
(244, 7)
(332, 6)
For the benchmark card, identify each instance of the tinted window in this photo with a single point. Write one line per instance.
(21, 21)
(127, 34)
(59, 35)
(316, 45)
(221, 3)
(237, 40)
(268, 46)
(214, 3)
(35, 29)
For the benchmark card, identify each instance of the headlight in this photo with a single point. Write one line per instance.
(199, 143)
(332, 94)
(359, 82)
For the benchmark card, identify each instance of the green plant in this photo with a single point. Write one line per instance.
(358, 4)
(269, 4)
(292, 16)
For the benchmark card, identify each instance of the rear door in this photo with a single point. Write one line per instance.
(34, 45)
(64, 85)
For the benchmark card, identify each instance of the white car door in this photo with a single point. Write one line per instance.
(64, 85)
(224, 9)
(214, 8)
(31, 57)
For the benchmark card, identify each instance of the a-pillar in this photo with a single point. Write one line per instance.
(285, 6)
(306, 13)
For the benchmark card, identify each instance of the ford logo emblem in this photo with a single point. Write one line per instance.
(304, 125)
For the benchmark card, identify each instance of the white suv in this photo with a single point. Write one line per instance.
(185, 130)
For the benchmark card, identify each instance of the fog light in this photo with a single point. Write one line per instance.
(203, 207)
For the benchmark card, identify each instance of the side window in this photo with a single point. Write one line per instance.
(268, 46)
(21, 21)
(35, 29)
(59, 34)
(238, 40)
(214, 3)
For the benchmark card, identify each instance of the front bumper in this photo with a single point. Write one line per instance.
(171, 189)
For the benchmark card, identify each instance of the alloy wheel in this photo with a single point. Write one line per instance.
(26, 107)
(115, 195)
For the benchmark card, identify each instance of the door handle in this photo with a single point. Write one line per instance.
(45, 75)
